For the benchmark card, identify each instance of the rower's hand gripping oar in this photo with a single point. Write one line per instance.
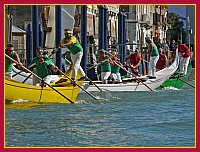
(39, 78)
(56, 50)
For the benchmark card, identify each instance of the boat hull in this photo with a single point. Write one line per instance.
(162, 76)
(174, 81)
(16, 91)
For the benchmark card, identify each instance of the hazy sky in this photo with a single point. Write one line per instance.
(181, 10)
(178, 9)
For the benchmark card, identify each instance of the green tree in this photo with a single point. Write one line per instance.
(176, 31)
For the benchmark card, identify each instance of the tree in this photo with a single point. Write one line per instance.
(176, 31)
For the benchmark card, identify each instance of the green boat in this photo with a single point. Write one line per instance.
(174, 81)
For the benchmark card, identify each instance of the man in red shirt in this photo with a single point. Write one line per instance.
(162, 61)
(135, 61)
(185, 58)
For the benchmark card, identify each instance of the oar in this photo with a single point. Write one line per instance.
(130, 73)
(17, 73)
(27, 78)
(30, 66)
(39, 78)
(94, 84)
(56, 50)
(78, 85)
(87, 76)
(186, 82)
(97, 64)
(134, 76)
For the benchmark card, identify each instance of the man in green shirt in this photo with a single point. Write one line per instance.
(154, 56)
(105, 66)
(115, 74)
(8, 63)
(41, 66)
(76, 53)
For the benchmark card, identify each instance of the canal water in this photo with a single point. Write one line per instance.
(163, 118)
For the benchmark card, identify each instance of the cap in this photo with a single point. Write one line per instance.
(147, 38)
(40, 50)
(102, 51)
(67, 31)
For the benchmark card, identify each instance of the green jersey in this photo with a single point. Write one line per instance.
(9, 63)
(105, 66)
(42, 69)
(76, 47)
(115, 69)
(154, 51)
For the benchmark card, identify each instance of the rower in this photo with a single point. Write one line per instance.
(115, 74)
(105, 66)
(8, 63)
(162, 61)
(135, 61)
(41, 66)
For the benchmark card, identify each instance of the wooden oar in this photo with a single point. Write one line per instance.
(39, 78)
(17, 73)
(27, 78)
(55, 50)
(86, 76)
(78, 85)
(94, 84)
(30, 66)
(130, 73)
(186, 82)
(97, 64)
(134, 76)
(93, 66)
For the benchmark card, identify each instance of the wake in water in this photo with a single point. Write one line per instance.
(19, 101)
(105, 96)
(170, 88)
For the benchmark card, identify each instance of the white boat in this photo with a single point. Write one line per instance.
(27, 78)
(126, 85)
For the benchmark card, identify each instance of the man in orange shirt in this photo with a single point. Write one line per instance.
(185, 58)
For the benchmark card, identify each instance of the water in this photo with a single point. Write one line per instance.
(140, 119)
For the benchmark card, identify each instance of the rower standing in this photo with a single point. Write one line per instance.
(154, 56)
(185, 58)
(76, 53)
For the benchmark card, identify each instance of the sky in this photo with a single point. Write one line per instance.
(180, 10)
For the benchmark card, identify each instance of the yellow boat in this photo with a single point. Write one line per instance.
(62, 92)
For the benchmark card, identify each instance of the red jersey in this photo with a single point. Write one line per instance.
(184, 50)
(162, 63)
(134, 59)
